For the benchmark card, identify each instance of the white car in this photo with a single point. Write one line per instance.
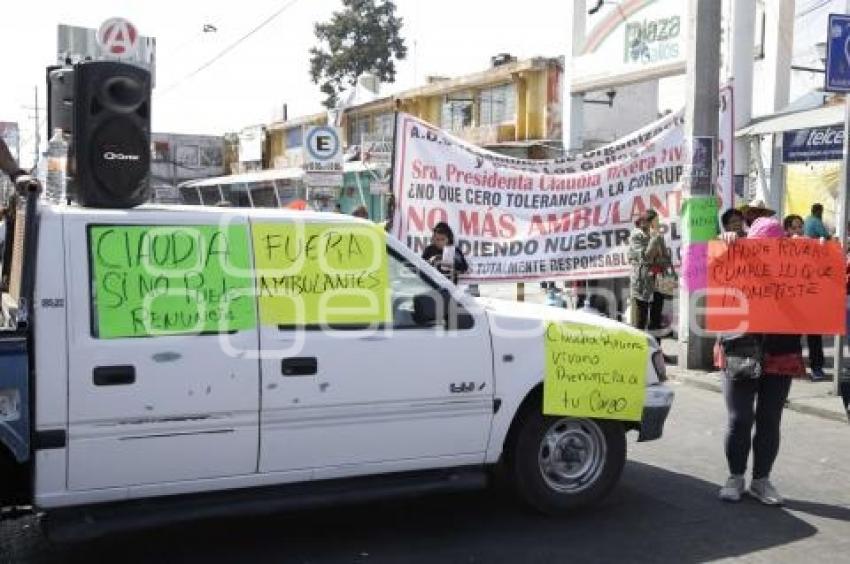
(270, 416)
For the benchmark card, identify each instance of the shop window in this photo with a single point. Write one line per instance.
(211, 156)
(159, 151)
(294, 137)
(384, 125)
(497, 105)
(358, 126)
(187, 156)
(457, 112)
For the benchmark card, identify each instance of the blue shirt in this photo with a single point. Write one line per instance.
(813, 227)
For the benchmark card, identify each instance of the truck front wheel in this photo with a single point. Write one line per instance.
(561, 463)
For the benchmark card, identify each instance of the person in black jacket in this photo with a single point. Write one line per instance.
(442, 237)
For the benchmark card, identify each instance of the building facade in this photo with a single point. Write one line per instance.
(177, 158)
(513, 107)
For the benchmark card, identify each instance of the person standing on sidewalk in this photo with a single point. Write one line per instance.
(814, 228)
(732, 221)
(646, 256)
(758, 370)
(793, 225)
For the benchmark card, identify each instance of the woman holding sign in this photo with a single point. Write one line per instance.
(757, 378)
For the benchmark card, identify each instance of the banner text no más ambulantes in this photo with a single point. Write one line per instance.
(520, 220)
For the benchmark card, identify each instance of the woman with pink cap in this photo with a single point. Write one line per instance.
(755, 396)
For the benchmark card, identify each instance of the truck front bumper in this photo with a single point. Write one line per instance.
(659, 400)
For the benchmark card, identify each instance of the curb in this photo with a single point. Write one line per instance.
(701, 382)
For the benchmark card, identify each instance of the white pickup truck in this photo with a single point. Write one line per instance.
(271, 417)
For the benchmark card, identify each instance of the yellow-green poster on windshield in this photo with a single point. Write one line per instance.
(317, 274)
(152, 280)
(594, 371)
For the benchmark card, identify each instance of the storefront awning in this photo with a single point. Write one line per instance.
(775, 123)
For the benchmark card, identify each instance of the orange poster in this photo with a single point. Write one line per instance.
(776, 286)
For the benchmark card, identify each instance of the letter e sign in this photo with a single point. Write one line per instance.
(323, 144)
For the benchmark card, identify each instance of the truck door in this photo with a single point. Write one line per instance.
(357, 400)
(154, 395)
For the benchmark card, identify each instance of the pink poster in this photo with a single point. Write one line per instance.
(695, 266)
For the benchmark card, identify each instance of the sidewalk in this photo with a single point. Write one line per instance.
(813, 398)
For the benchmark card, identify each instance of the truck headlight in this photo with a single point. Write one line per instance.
(659, 365)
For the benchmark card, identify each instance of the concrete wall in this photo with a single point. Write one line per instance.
(634, 107)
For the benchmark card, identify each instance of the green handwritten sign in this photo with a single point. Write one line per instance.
(170, 280)
(309, 274)
(594, 372)
(699, 218)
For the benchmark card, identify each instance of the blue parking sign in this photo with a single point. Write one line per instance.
(838, 53)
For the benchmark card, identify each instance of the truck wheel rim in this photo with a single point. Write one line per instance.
(571, 455)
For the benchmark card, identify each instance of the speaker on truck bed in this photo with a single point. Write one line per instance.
(110, 148)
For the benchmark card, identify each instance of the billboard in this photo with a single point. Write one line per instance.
(643, 39)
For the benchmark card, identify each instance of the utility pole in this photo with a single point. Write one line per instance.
(841, 234)
(702, 102)
(36, 130)
(37, 135)
(843, 213)
(743, 36)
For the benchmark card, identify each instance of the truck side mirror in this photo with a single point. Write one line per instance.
(437, 305)
(428, 308)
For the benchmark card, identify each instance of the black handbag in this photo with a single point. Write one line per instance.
(744, 356)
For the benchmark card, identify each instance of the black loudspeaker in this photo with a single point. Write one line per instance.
(110, 148)
(60, 99)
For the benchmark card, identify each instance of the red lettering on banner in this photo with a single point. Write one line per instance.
(631, 168)
(420, 170)
(581, 219)
(638, 207)
(676, 154)
(476, 224)
(506, 222)
(420, 219)
(658, 205)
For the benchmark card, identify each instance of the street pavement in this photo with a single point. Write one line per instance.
(664, 510)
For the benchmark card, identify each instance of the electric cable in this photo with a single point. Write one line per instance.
(229, 48)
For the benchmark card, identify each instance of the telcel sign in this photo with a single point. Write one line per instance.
(813, 144)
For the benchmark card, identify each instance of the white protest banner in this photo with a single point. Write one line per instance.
(519, 220)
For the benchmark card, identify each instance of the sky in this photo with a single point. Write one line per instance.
(250, 84)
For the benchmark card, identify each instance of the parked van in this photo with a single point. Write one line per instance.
(202, 409)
